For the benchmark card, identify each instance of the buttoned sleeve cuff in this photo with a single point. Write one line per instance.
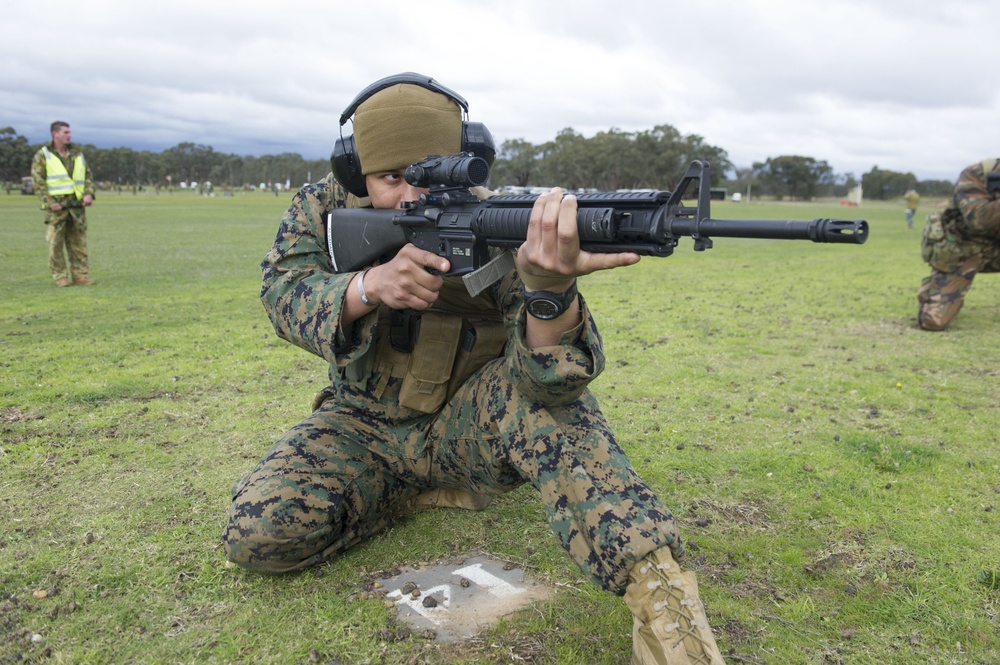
(354, 341)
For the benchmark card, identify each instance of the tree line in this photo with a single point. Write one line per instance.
(608, 161)
(185, 162)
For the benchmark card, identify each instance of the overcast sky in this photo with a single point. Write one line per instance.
(907, 85)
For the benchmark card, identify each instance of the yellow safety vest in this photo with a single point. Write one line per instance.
(58, 181)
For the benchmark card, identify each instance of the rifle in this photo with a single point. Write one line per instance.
(993, 181)
(72, 203)
(453, 223)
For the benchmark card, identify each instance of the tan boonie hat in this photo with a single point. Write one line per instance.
(403, 124)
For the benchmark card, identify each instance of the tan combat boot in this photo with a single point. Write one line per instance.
(669, 625)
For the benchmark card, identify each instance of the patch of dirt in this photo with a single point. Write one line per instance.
(752, 514)
(18, 642)
(830, 562)
(11, 414)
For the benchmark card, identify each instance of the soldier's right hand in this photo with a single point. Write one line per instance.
(411, 279)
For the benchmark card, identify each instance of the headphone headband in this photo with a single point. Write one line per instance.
(406, 77)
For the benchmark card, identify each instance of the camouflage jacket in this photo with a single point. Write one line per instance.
(979, 209)
(304, 298)
(38, 175)
(969, 226)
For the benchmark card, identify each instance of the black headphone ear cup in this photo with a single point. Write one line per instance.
(347, 167)
(478, 140)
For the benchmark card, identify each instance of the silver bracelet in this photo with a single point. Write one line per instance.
(361, 289)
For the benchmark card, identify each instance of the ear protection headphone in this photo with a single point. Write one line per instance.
(476, 138)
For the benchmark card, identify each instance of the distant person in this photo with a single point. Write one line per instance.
(912, 201)
(442, 399)
(960, 242)
(65, 187)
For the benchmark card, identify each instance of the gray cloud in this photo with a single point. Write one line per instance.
(901, 85)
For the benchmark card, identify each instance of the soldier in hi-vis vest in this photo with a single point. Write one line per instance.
(65, 187)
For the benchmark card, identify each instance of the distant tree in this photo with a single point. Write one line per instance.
(696, 148)
(936, 187)
(189, 161)
(883, 184)
(793, 176)
(651, 159)
(112, 165)
(229, 171)
(564, 161)
(656, 159)
(15, 156)
(609, 161)
(516, 163)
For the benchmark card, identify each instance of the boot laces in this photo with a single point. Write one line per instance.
(680, 610)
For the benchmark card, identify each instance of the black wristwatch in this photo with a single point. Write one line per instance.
(547, 305)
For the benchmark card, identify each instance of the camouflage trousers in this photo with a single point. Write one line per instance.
(942, 294)
(341, 475)
(67, 230)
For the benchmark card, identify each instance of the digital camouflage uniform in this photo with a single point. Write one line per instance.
(958, 243)
(346, 471)
(67, 227)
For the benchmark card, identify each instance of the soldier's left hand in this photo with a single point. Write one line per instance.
(550, 257)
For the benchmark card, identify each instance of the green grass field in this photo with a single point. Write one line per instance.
(834, 469)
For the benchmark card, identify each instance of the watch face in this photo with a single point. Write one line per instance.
(543, 308)
(548, 305)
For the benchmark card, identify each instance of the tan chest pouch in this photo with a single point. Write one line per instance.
(448, 350)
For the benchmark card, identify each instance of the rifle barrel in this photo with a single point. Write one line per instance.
(849, 231)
